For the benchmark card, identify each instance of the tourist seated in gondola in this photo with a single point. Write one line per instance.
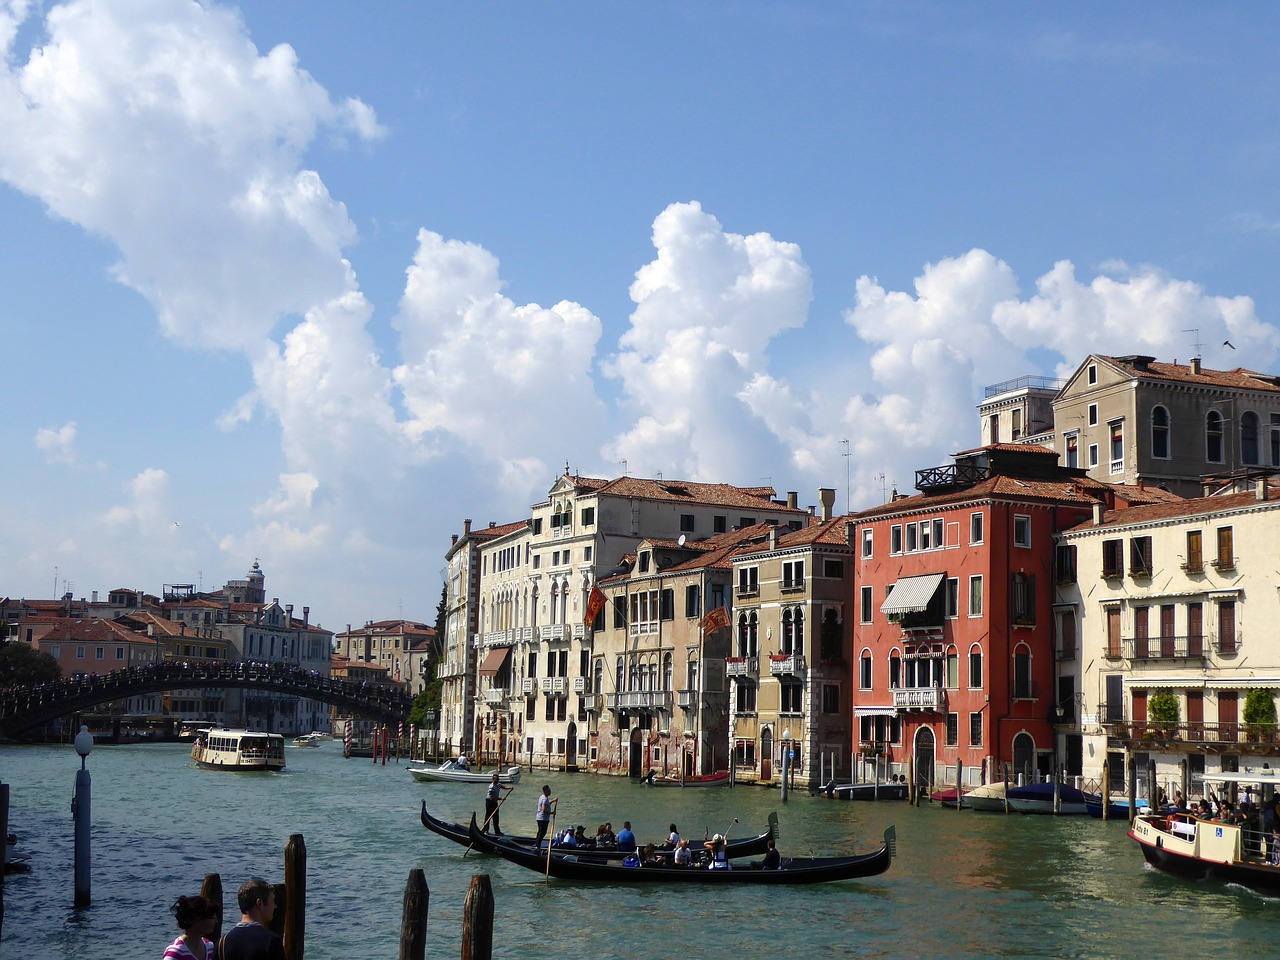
(567, 838)
(649, 855)
(673, 839)
(683, 856)
(605, 836)
(626, 839)
(580, 837)
(715, 848)
(772, 859)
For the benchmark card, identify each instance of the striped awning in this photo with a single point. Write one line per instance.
(911, 594)
(493, 661)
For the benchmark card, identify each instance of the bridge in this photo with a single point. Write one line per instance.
(27, 707)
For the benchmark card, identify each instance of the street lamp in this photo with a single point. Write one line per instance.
(786, 761)
(80, 816)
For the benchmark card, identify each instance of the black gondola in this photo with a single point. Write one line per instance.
(746, 847)
(798, 870)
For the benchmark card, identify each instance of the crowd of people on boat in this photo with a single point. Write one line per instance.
(1259, 821)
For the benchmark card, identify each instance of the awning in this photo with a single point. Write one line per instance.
(1244, 683)
(875, 711)
(1176, 683)
(493, 661)
(911, 594)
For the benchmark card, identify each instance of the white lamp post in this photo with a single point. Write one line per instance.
(80, 815)
(786, 761)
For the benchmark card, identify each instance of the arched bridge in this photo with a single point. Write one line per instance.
(23, 708)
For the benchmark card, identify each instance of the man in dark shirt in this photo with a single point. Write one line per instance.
(250, 939)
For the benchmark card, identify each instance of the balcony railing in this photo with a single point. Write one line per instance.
(741, 667)
(1195, 735)
(496, 696)
(794, 585)
(554, 631)
(687, 699)
(747, 590)
(523, 635)
(638, 700)
(528, 686)
(919, 698)
(581, 684)
(1068, 653)
(555, 686)
(498, 638)
(789, 666)
(1165, 648)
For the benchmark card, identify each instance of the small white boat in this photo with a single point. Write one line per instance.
(217, 749)
(450, 772)
(988, 796)
(305, 740)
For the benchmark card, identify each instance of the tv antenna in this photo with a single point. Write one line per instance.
(1195, 344)
(847, 491)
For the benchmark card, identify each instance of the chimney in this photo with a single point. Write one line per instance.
(466, 526)
(492, 524)
(1260, 488)
(453, 538)
(1142, 483)
(773, 538)
(1098, 510)
(306, 616)
(95, 596)
(1195, 365)
(827, 497)
(792, 499)
(1204, 490)
(288, 614)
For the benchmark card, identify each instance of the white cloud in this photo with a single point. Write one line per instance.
(293, 496)
(57, 443)
(147, 511)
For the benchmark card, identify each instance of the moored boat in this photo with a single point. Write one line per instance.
(450, 772)
(1116, 809)
(1038, 798)
(245, 750)
(702, 780)
(887, 790)
(798, 870)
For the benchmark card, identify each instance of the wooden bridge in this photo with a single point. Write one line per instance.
(27, 707)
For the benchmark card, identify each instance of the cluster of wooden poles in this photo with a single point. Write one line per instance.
(289, 920)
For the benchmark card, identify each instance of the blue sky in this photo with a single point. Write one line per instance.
(312, 282)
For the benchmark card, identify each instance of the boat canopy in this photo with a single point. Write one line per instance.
(911, 594)
(1260, 776)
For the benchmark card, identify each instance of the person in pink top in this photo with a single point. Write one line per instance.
(198, 918)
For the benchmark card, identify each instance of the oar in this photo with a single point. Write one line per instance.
(550, 839)
(486, 820)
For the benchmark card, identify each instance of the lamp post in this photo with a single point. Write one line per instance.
(80, 816)
(786, 761)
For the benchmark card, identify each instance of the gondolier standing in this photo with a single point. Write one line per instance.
(546, 803)
(492, 801)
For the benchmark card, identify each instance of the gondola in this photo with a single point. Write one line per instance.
(703, 780)
(800, 870)
(746, 847)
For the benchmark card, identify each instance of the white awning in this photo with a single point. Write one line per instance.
(875, 711)
(911, 594)
(1244, 683)
(1180, 683)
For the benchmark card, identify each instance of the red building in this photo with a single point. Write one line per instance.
(953, 628)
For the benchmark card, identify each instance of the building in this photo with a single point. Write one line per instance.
(953, 640)
(1172, 598)
(404, 648)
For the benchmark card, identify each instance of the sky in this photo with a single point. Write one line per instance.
(309, 283)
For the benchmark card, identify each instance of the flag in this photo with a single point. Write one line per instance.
(716, 619)
(595, 603)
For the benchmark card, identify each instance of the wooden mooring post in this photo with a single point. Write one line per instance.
(477, 920)
(295, 898)
(413, 923)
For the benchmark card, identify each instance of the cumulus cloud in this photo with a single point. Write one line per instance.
(57, 443)
(147, 510)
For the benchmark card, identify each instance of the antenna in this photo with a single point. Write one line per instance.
(847, 491)
(884, 489)
(623, 464)
(1196, 344)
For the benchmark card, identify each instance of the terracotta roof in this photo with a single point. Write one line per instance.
(1197, 506)
(1074, 490)
(500, 529)
(93, 630)
(689, 491)
(833, 531)
(1028, 448)
(1240, 378)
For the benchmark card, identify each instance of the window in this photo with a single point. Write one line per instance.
(55, 650)
(1093, 373)
(975, 729)
(793, 575)
(1227, 626)
(1195, 552)
(99, 653)
(1093, 455)
(830, 698)
(744, 753)
(1065, 562)
(643, 561)
(975, 596)
(588, 516)
(745, 698)
(895, 671)
(586, 554)
(793, 630)
(831, 645)
(1275, 440)
(1023, 590)
(925, 528)
(953, 670)
(537, 524)
(864, 606)
(1093, 414)
(1249, 438)
(692, 601)
(1015, 433)
(792, 698)
(667, 604)
(1117, 445)
(1226, 551)
(1140, 557)
(719, 524)
(619, 612)
(938, 543)
(79, 653)
(1022, 689)
(119, 653)
(1067, 635)
(686, 522)
(531, 710)
(1021, 531)
(975, 669)
(748, 581)
(895, 539)
(868, 539)
(911, 537)
(833, 569)
(975, 528)
(1073, 450)
(746, 521)
(953, 597)
(1213, 437)
(953, 729)
(994, 420)
(1160, 433)
(864, 671)
(1112, 558)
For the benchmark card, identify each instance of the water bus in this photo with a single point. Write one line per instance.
(219, 749)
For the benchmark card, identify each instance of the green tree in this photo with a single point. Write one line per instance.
(428, 699)
(20, 665)
(1259, 709)
(1163, 708)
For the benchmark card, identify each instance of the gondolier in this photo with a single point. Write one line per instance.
(492, 801)
(546, 803)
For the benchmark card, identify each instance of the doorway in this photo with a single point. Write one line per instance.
(924, 760)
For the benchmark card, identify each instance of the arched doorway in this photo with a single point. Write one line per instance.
(766, 755)
(636, 759)
(1024, 756)
(924, 760)
(571, 747)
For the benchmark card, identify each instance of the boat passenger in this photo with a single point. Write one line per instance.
(673, 839)
(772, 859)
(462, 762)
(649, 855)
(715, 847)
(626, 839)
(683, 855)
(580, 837)
(567, 838)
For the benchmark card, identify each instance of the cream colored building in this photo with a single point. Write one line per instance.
(1175, 598)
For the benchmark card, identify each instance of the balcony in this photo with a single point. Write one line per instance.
(687, 699)
(1196, 737)
(554, 631)
(528, 686)
(794, 585)
(638, 700)
(1165, 648)
(746, 667)
(579, 630)
(1067, 653)
(747, 590)
(581, 684)
(496, 696)
(594, 702)
(555, 686)
(523, 635)
(498, 638)
(791, 665)
(919, 698)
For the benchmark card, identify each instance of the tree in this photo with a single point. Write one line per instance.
(1162, 708)
(1259, 709)
(21, 665)
(428, 699)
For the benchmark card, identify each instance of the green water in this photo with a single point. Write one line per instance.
(965, 885)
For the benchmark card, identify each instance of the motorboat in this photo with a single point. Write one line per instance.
(451, 772)
(1039, 798)
(701, 780)
(243, 750)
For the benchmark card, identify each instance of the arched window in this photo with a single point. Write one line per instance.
(667, 672)
(864, 670)
(832, 647)
(1022, 672)
(618, 687)
(1160, 433)
(598, 686)
(798, 639)
(787, 627)
(975, 668)
(1249, 438)
(1213, 437)
(895, 670)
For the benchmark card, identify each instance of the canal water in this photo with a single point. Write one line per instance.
(964, 885)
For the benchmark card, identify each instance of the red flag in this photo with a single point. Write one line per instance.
(595, 603)
(716, 619)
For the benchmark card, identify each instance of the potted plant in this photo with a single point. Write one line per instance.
(1162, 708)
(1260, 715)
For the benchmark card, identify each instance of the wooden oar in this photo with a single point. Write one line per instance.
(486, 821)
(550, 839)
